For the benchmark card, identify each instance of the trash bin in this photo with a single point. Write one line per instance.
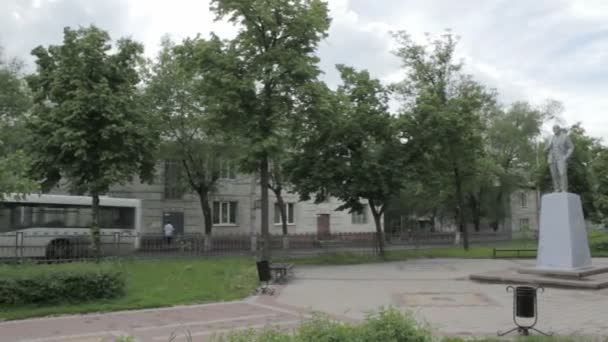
(525, 298)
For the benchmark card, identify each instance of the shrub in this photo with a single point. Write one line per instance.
(392, 325)
(388, 325)
(598, 240)
(61, 287)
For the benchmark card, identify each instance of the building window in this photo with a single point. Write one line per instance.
(360, 217)
(523, 200)
(173, 179)
(289, 210)
(225, 212)
(524, 223)
(227, 169)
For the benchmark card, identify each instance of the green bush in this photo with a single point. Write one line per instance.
(61, 287)
(387, 325)
(598, 241)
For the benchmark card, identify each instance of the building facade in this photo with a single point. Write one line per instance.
(235, 206)
(525, 210)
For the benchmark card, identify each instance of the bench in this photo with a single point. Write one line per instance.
(281, 271)
(510, 250)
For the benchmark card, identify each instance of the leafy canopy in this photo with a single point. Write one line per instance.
(87, 125)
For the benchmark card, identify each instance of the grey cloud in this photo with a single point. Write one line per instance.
(44, 25)
(357, 48)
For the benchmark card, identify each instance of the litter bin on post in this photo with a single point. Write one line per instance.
(524, 306)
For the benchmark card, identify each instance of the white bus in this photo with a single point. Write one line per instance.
(58, 226)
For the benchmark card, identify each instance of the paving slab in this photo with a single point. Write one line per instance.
(437, 292)
(200, 322)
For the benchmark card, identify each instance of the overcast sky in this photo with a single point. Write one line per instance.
(527, 50)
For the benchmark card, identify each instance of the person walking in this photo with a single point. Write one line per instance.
(168, 230)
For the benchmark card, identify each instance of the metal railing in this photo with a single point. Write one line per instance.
(42, 246)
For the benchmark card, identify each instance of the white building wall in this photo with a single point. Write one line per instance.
(246, 192)
(524, 209)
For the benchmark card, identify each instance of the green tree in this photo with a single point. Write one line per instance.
(441, 111)
(187, 132)
(599, 165)
(510, 144)
(356, 153)
(259, 76)
(15, 102)
(87, 125)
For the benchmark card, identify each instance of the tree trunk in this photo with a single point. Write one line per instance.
(282, 211)
(379, 233)
(264, 178)
(203, 196)
(95, 233)
(498, 210)
(460, 209)
(475, 206)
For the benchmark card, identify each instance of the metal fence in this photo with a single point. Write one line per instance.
(41, 246)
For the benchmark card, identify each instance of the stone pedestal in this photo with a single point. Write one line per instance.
(563, 258)
(562, 242)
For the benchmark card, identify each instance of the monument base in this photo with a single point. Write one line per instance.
(562, 243)
(573, 273)
(564, 258)
(513, 276)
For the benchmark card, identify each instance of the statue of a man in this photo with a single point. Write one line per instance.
(560, 149)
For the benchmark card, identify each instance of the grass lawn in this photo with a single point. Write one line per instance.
(150, 283)
(455, 252)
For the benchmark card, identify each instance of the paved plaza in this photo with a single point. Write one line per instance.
(436, 291)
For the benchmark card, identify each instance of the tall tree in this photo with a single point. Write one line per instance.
(15, 102)
(188, 135)
(268, 63)
(510, 143)
(356, 153)
(441, 110)
(87, 126)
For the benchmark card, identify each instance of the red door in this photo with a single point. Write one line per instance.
(322, 225)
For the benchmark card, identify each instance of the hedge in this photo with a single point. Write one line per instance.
(61, 287)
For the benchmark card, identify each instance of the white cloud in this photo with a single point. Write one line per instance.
(529, 50)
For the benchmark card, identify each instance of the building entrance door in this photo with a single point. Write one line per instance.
(323, 229)
(177, 220)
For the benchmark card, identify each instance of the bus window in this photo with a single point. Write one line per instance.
(32, 215)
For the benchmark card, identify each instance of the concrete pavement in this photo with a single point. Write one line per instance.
(436, 291)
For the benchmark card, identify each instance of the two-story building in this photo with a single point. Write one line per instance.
(235, 206)
(525, 209)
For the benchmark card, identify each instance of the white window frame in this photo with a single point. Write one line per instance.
(354, 218)
(220, 221)
(523, 200)
(227, 170)
(290, 220)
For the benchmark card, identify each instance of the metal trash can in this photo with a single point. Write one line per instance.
(525, 298)
(264, 271)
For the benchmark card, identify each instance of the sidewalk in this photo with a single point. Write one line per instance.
(200, 322)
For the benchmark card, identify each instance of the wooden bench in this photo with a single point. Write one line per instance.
(510, 250)
(281, 271)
